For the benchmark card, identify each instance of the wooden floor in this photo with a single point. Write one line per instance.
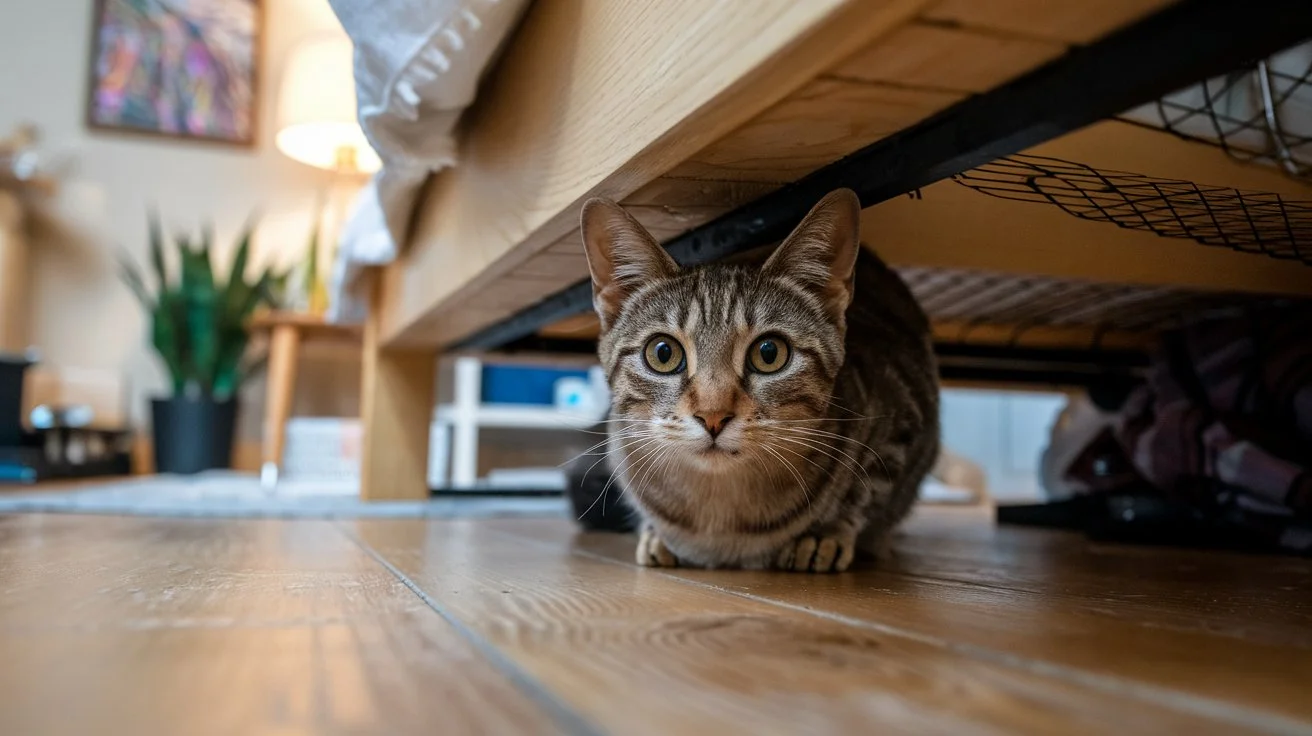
(145, 626)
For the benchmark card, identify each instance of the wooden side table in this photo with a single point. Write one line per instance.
(287, 331)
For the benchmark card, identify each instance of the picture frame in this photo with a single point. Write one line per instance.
(181, 69)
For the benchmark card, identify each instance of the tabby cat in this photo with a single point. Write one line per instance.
(770, 415)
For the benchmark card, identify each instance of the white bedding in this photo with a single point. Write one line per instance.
(417, 67)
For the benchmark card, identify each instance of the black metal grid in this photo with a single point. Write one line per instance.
(1251, 222)
(1260, 113)
(971, 299)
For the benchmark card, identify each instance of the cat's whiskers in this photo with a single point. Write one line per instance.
(797, 475)
(612, 421)
(858, 443)
(615, 473)
(887, 473)
(600, 445)
(602, 496)
(832, 401)
(811, 432)
(826, 433)
(807, 458)
(606, 454)
(823, 419)
(625, 420)
(660, 454)
(647, 461)
(851, 466)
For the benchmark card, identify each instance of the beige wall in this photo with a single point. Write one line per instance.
(81, 317)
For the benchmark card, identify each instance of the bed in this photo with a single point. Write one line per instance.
(718, 124)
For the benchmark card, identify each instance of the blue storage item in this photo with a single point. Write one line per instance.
(523, 384)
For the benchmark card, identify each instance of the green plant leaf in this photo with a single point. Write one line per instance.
(236, 289)
(227, 374)
(168, 336)
(131, 275)
(258, 294)
(157, 250)
(237, 275)
(198, 323)
(202, 315)
(312, 256)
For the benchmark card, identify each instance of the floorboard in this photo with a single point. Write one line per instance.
(644, 651)
(152, 625)
(1220, 656)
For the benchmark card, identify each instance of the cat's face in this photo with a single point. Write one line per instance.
(704, 362)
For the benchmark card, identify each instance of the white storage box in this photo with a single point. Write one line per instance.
(322, 456)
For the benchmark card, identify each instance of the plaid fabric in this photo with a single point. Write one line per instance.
(1224, 422)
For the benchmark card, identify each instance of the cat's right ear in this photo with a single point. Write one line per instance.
(622, 256)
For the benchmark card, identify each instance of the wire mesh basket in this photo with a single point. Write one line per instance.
(974, 298)
(1252, 222)
(1260, 113)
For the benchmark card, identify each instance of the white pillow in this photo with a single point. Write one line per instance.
(417, 67)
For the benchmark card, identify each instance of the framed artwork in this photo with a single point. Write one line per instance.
(180, 68)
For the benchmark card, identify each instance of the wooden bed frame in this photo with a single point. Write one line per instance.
(685, 110)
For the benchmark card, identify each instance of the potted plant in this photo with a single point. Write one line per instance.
(198, 328)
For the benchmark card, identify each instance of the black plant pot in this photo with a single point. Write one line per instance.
(192, 435)
(12, 368)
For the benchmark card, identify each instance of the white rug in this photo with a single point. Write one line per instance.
(238, 495)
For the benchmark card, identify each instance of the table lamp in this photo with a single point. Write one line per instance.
(317, 125)
(317, 122)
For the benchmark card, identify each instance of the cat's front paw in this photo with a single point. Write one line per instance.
(652, 551)
(812, 553)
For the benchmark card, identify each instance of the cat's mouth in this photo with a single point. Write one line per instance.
(716, 450)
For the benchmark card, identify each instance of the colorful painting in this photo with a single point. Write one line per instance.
(185, 68)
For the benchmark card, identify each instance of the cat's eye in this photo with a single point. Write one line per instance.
(664, 354)
(768, 354)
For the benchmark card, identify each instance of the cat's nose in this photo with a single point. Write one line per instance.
(713, 421)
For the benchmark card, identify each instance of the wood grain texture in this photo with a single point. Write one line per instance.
(131, 626)
(669, 191)
(15, 274)
(150, 625)
(280, 391)
(932, 56)
(818, 124)
(598, 97)
(641, 651)
(312, 326)
(557, 266)
(1058, 20)
(397, 398)
(1220, 636)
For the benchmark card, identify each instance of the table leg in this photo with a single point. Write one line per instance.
(396, 406)
(284, 352)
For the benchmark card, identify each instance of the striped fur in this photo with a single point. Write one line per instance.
(819, 459)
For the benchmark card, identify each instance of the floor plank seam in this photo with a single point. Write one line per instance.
(564, 716)
(1237, 715)
(959, 583)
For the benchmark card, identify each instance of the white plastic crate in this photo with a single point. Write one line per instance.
(322, 455)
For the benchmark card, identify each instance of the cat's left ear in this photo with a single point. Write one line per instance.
(820, 254)
(622, 256)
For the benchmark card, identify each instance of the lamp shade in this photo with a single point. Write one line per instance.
(316, 108)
